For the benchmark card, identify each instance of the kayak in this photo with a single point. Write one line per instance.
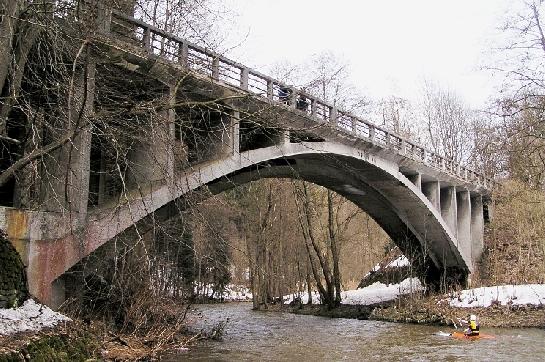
(461, 335)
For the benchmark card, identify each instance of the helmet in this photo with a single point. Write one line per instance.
(473, 317)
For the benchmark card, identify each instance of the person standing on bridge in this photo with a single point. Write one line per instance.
(302, 103)
(284, 94)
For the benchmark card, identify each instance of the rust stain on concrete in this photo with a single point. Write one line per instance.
(17, 224)
(17, 230)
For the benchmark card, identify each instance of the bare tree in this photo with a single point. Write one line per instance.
(448, 122)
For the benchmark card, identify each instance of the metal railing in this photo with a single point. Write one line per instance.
(229, 72)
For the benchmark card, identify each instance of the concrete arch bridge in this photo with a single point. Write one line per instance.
(245, 126)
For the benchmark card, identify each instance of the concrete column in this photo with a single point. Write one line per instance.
(449, 209)
(464, 223)
(235, 129)
(432, 191)
(488, 205)
(152, 158)
(416, 180)
(477, 227)
(65, 176)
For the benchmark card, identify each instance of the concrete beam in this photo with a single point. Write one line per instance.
(463, 201)
(432, 190)
(235, 129)
(477, 227)
(449, 209)
(416, 180)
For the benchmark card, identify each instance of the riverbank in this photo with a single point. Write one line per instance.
(432, 310)
(82, 341)
(37, 333)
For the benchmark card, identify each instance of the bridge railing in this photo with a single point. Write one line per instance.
(227, 71)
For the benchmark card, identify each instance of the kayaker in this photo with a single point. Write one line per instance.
(472, 326)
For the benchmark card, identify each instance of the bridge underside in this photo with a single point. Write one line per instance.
(397, 205)
(391, 203)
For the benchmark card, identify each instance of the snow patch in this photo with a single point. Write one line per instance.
(378, 292)
(503, 294)
(399, 262)
(375, 293)
(237, 293)
(31, 316)
(231, 293)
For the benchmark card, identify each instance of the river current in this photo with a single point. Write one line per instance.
(274, 336)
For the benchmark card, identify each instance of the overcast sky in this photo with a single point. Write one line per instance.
(390, 45)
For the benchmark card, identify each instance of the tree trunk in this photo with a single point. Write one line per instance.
(334, 249)
(323, 261)
(309, 289)
(9, 9)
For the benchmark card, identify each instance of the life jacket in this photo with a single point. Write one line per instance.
(474, 327)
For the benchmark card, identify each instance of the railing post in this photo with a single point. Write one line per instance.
(216, 68)
(270, 89)
(313, 107)
(403, 146)
(244, 75)
(146, 40)
(332, 114)
(183, 51)
(354, 123)
(371, 132)
(293, 98)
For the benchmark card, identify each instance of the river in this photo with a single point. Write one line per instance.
(274, 336)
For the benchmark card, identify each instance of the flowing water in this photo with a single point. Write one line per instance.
(273, 336)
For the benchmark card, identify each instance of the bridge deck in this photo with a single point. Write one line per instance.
(227, 72)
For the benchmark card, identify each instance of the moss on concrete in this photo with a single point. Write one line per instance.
(13, 284)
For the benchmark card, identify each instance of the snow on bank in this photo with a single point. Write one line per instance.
(399, 262)
(378, 292)
(502, 294)
(231, 293)
(237, 293)
(375, 293)
(31, 316)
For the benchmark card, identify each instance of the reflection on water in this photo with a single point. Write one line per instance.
(271, 336)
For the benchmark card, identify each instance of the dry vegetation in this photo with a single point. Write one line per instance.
(515, 240)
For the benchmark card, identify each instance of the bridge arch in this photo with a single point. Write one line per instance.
(373, 183)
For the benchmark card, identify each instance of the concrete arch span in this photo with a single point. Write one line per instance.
(373, 183)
